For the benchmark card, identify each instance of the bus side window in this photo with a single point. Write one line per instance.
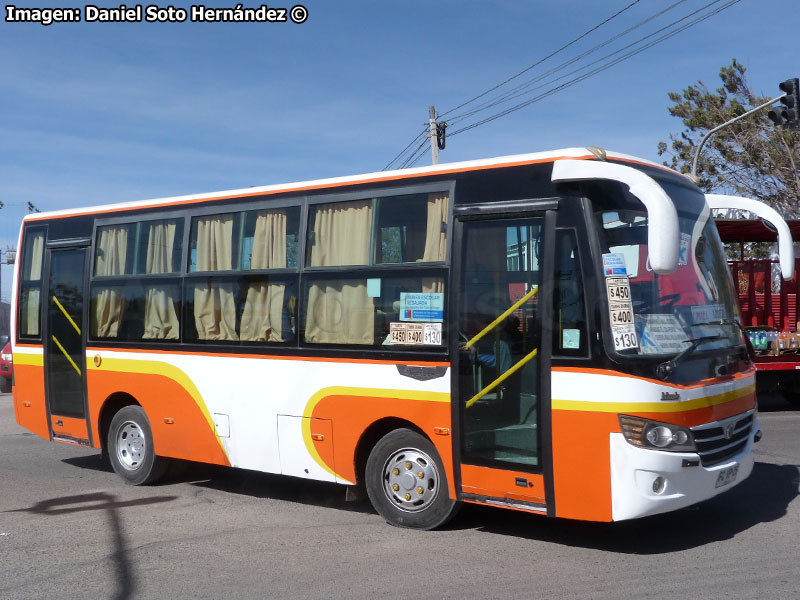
(144, 307)
(362, 311)
(569, 328)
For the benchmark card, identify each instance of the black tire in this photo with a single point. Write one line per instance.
(406, 481)
(130, 448)
(5, 385)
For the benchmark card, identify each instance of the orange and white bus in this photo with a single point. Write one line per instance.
(554, 333)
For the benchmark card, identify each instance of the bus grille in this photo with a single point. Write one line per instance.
(718, 441)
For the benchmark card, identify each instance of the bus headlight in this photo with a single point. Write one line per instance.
(645, 433)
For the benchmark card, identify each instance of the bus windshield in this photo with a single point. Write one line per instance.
(669, 311)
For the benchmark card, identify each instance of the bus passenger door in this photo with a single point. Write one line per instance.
(65, 346)
(500, 396)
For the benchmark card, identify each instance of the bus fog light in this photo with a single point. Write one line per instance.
(659, 485)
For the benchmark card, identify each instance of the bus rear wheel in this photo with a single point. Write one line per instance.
(406, 481)
(131, 450)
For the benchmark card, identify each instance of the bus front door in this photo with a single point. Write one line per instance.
(502, 404)
(65, 346)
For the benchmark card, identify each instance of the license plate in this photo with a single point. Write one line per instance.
(727, 476)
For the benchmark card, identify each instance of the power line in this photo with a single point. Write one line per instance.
(515, 92)
(525, 88)
(418, 152)
(540, 61)
(411, 143)
(561, 49)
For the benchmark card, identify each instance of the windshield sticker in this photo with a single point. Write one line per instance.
(707, 313)
(630, 254)
(421, 307)
(614, 264)
(415, 334)
(571, 339)
(686, 242)
(660, 334)
(620, 311)
(374, 287)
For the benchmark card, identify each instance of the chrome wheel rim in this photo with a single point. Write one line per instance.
(411, 480)
(131, 445)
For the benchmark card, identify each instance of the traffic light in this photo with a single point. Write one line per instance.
(788, 114)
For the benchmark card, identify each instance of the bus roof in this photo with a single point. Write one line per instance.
(384, 176)
(751, 230)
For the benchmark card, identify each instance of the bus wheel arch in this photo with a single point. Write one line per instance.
(113, 404)
(371, 436)
(127, 439)
(406, 480)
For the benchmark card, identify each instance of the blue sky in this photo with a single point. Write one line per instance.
(97, 112)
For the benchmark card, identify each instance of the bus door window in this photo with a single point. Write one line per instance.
(498, 379)
(569, 326)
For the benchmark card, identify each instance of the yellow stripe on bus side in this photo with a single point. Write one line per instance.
(29, 360)
(653, 407)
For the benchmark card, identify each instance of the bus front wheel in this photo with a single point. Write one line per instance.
(406, 481)
(131, 450)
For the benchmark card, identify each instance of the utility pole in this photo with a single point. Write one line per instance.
(433, 136)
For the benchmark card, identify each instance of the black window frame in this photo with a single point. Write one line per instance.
(294, 276)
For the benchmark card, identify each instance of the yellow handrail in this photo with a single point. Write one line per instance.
(67, 356)
(494, 323)
(502, 378)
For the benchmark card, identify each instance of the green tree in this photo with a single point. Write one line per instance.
(750, 158)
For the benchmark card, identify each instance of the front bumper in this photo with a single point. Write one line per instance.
(634, 471)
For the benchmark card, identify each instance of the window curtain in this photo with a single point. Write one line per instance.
(263, 308)
(112, 251)
(160, 317)
(214, 305)
(338, 312)
(435, 238)
(32, 296)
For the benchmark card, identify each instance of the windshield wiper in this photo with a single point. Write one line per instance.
(718, 322)
(745, 338)
(666, 368)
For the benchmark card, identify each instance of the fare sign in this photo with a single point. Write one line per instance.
(620, 311)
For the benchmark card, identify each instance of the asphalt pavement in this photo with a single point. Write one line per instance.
(70, 528)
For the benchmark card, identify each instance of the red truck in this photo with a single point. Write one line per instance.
(770, 306)
(5, 365)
